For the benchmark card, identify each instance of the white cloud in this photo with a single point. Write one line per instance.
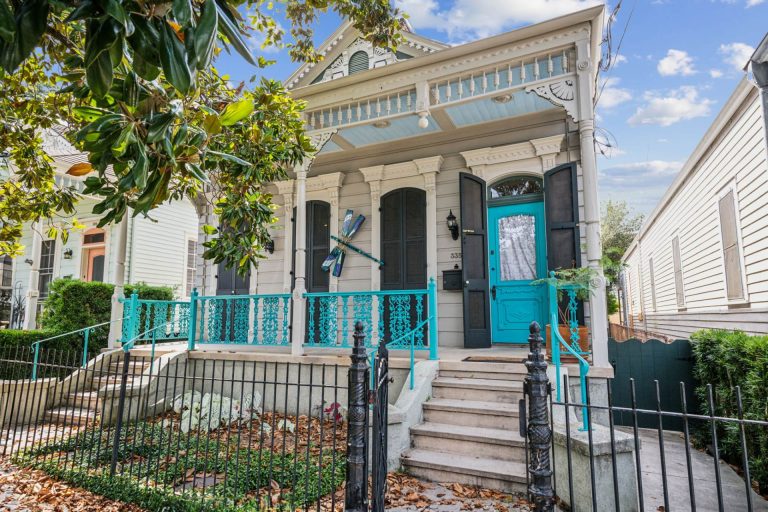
(677, 62)
(472, 19)
(641, 184)
(715, 73)
(611, 95)
(752, 3)
(736, 55)
(618, 59)
(677, 105)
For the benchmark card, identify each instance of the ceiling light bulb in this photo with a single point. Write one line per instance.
(423, 120)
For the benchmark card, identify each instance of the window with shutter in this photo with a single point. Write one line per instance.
(653, 283)
(358, 62)
(678, 268)
(45, 276)
(191, 266)
(734, 282)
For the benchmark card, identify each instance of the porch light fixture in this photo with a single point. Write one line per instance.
(269, 246)
(423, 120)
(383, 123)
(503, 98)
(67, 254)
(453, 226)
(28, 261)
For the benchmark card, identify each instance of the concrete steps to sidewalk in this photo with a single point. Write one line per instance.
(70, 415)
(83, 400)
(470, 432)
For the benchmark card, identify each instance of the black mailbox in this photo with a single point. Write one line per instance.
(452, 279)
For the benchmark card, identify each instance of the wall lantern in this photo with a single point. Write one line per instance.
(453, 226)
(67, 254)
(269, 245)
(28, 261)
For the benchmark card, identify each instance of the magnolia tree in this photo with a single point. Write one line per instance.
(133, 85)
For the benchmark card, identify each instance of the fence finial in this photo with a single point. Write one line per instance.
(539, 431)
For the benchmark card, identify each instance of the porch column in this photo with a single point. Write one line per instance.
(429, 167)
(116, 316)
(597, 303)
(30, 314)
(372, 176)
(286, 190)
(333, 281)
(300, 286)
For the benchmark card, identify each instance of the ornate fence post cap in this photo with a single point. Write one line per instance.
(534, 328)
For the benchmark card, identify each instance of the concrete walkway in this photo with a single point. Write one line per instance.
(703, 467)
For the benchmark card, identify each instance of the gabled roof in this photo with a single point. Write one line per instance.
(346, 37)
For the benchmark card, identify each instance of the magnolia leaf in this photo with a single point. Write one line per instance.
(80, 169)
(31, 20)
(205, 34)
(99, 75)
(229, 158)
(174, 59)
(236, 111)
(228, 27)
(7, 22)
(182, 11)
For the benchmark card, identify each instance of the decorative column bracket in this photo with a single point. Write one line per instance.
(561, 93)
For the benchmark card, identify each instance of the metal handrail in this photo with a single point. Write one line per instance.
(412, 334)
(86, 337)
(557, 340)
(130, 344)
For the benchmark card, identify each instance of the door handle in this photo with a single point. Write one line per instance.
(493, 292)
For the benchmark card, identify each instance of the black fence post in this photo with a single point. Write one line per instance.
(120, 409)
(356, 498)
(539, 431)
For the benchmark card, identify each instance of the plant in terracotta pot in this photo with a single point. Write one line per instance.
(572, 285)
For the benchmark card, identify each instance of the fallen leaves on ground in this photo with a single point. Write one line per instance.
(34, 491)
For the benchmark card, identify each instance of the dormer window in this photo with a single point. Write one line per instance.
(358, 62)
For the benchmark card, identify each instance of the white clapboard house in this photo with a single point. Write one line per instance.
(158, 251)
(701, 258)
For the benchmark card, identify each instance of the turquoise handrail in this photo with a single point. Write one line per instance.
(412, 335)
(557, 340)
(130, 344)
(86, 338)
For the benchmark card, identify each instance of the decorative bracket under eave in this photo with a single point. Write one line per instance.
(561, 93)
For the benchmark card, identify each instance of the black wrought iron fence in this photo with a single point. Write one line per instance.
(183, 431)
(713, 463)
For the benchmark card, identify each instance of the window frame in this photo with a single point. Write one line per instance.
(187, 267)
(652, 283)
(731, 187)
(677, 258)
(53, 267)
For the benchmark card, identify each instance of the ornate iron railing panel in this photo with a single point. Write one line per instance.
(144, 316)
(385, 315)
(242, 319)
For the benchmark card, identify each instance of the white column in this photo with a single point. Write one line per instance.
(598, 307)
(300, 285)
(375, 233)
(286, 190)
(121, 245)
(30, 314)
(333, 281)
(428, 168)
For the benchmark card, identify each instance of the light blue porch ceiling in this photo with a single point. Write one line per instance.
(399, 128)
(330, 147)
(486, 110)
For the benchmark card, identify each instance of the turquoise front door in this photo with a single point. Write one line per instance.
(517, 257)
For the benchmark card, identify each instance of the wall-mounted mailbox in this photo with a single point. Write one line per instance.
(452, 279)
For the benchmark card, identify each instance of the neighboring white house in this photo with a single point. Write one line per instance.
(701, 258)
(158, 251)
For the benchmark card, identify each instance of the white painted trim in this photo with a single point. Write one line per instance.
(492, 163)
(731, 187)
(187, 264)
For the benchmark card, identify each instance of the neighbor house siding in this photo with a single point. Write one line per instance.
(734, 159)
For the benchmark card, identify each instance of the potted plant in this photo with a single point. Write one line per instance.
(580, 280)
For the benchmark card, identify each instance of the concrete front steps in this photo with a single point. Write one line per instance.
(470, 433)
(83, 407)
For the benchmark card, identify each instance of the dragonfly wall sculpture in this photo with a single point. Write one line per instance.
(348, 229)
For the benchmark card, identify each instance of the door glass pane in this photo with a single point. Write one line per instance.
(517, 247)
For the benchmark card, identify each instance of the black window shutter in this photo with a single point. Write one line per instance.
(474, 261)
(561, 203)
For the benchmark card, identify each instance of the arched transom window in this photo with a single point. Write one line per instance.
(515, 186)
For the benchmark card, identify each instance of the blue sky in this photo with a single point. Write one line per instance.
(679, 61)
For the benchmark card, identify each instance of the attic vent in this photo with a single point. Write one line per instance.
(358, 62)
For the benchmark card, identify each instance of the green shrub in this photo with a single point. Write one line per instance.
(726, 359)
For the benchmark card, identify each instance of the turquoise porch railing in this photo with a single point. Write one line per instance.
(240, 319)
(142, 317)
(385, 314)
(86, 331)
(558, 343)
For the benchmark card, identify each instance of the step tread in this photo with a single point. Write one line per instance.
(72, 412)
(471, 366)
(472, 406)
(466, 464)
(490, 384)
(462, 433)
